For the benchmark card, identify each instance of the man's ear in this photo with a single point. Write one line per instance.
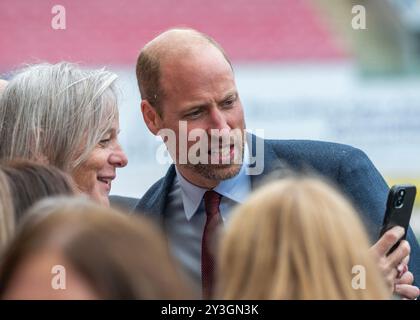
(151, 117)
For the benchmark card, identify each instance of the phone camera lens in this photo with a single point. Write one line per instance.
(398, 201)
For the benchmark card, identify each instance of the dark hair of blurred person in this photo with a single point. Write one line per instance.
(30, 182)
(297, 238)
(7, 220)
(106, 255)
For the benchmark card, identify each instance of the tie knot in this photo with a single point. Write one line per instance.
(212, 202)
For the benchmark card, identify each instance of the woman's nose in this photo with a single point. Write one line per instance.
(118, 158)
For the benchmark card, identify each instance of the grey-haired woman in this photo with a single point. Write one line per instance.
(66, 116)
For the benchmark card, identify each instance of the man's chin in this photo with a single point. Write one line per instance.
(217, 172)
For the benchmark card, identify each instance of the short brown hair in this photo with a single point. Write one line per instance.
(148, 79)
(149, 73)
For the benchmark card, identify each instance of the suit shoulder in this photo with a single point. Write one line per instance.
(328, 158)
(314, 149)
(123, 203)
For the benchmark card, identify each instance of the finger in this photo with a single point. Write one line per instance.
(387, 241)
(390, 278)
(399, 254)
(407, 291)
(404, 263)
(406, 278)
(402, 270)
(403, 266)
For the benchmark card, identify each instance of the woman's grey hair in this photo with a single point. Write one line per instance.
(56, 113)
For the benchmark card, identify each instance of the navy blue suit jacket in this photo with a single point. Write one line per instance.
(346, 167)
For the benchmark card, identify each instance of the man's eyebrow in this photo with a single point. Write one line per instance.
(230, 95)
(204, 104)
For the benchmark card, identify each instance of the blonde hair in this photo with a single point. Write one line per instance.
(7, 220)
(296, 238)
(57, 113)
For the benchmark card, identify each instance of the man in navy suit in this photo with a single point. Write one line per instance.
(187, 86)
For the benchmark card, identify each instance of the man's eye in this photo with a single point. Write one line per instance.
(228, 103)
(194, 114)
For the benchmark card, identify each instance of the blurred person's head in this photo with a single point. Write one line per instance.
(29, 182)
(105, 254)
(184, 75)
(66, 116)
(3, 84)
(7, 219)
(297, 238)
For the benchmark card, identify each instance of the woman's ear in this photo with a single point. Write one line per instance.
(151, 117)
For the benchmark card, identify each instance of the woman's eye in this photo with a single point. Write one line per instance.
(104, 142)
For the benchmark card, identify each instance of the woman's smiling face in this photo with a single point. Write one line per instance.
(94, 176)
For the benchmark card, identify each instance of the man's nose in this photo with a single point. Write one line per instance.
(218, 119)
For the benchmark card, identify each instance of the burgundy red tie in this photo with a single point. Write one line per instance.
(214, 220)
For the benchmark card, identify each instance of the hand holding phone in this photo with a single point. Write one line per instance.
(391, 250)
(399, 207)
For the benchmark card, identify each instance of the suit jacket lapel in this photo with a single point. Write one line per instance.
(154, 205)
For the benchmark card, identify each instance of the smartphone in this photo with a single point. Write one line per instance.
(398, 209)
